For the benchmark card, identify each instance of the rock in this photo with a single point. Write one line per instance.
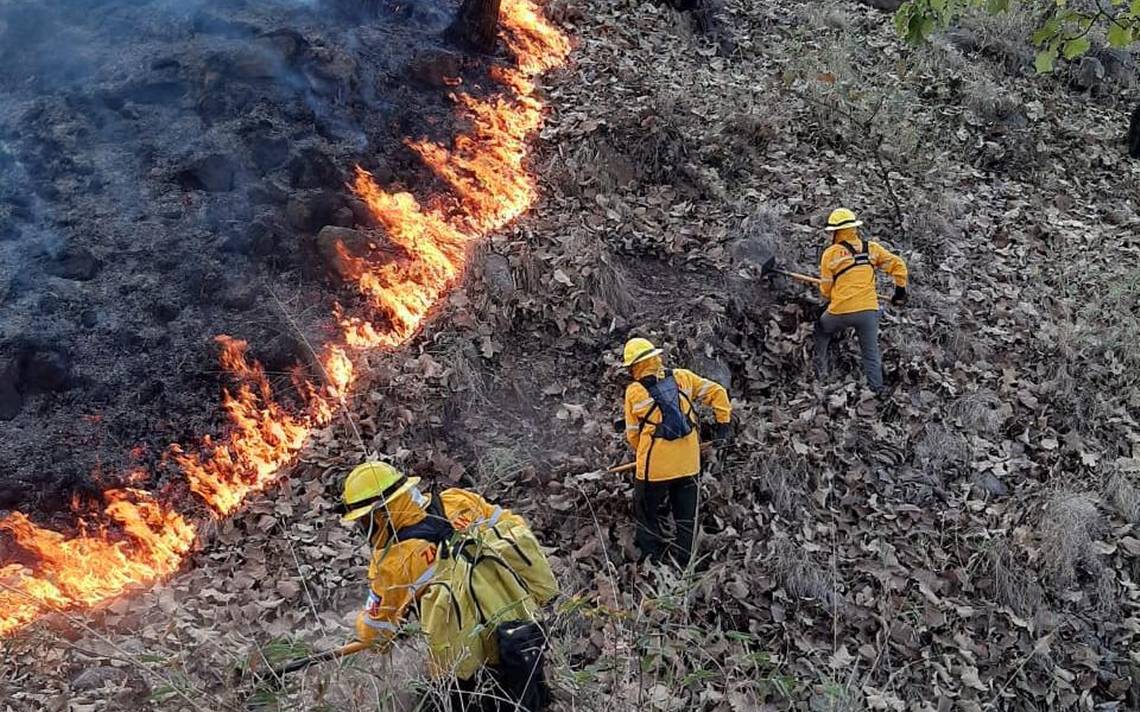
(299, 213)
(286, 43)
(76, 263)
(313, 169)
(713, 369)
(309, 213)
(268, 152)
(963, 39)
(155, 93)
(44, 368)
(10, 399)
(1119, 65)
(166, 311)
(250, 64)
(1089, 74)
(96, 677)
(986, 483)
(436, 67)
(498, 277)
(334, 242)
(344, 217)
(268, 193)
(213, 173)
(884, 5)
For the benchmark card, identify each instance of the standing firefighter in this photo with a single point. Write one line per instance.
(475, 575)
(662, 427)
(847, 270)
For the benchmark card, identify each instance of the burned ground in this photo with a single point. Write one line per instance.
(968, 543)
(165, 169)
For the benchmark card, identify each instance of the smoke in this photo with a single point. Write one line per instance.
(159, 161)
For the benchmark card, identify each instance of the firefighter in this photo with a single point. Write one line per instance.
(422, 559)
(847, 273)
(662, 427)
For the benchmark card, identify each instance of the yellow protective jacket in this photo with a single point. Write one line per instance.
(659, 459)
(400, 571)
(848, 280)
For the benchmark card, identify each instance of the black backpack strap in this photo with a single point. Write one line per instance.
(647, 383)
(859, 258)
(435, 527)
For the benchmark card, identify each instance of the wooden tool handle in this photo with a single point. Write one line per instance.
(705, 447)
(816, 280)
(301, 663)
(801, 277)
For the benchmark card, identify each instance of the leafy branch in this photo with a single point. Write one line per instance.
(1063, 32)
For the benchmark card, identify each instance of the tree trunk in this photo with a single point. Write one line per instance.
(476, 25)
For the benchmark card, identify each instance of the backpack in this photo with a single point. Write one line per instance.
(486, 576)
(666, 397)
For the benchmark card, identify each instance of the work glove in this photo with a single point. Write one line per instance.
(722, 432)
(619, 425)
(899, 297)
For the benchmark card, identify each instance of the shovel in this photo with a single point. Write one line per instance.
(769, 267)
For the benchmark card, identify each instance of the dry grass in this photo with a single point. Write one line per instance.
(1014, 585)
(780, 480)
(602, 278)
(1121, 491)
(1069, 525)
(980, 412)
(802, 578)
(989, 102)
(941, 451)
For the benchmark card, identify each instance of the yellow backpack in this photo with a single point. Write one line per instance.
(485, 577)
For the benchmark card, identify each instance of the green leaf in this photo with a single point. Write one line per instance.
(1119, 36)
(1045, 60)
(1075, 48)
(1047, 31)
(1135, 9)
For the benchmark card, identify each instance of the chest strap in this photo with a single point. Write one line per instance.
(859, 258)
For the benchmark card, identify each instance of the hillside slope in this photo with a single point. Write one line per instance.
(970, 542)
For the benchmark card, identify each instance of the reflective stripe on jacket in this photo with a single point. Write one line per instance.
(854, 289)
(400, 571)
(659, 459)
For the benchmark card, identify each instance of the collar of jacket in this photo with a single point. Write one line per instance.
(847, 234)
(649, 367)
(401, 512)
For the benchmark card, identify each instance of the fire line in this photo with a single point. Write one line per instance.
(141, 537)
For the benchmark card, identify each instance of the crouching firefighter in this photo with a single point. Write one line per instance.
(474, 574)
(663, 428)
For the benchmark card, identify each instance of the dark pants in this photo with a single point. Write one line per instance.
(649, 499)
(866, 325)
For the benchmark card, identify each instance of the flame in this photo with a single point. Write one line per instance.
(142, 540)
(141, 537)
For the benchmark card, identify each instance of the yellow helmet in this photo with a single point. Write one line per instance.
(637, 350)
(841, 219)
(372, 485)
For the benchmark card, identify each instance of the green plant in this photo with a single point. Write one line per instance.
(1064, 29)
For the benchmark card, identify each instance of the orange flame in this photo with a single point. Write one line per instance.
(93, 567)
(142, 537)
